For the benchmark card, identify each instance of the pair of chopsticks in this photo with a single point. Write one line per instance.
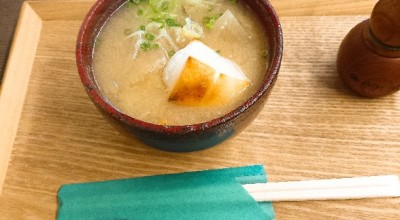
(326, 189)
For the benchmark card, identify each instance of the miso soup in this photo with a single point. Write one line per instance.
(137, 42)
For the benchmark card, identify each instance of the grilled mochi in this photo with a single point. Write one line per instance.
(198, 76)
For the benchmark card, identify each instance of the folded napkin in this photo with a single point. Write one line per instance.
(210, 194)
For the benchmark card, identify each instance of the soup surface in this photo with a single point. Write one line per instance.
(136, 43)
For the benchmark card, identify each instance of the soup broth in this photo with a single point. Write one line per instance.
(134, 46)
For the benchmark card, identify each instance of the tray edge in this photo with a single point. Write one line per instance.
(16, 80)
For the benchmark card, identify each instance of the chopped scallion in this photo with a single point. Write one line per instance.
(145, 46)
(164, 6)
(153, 2)
(149, 36)
(209, 21)
(172, 22)
(171, 53)
(134, 1)
(158, 20)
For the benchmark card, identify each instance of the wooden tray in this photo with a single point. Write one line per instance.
(312, 125)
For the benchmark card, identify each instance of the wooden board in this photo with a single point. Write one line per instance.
(312, 126)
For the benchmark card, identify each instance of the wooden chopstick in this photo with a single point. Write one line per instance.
(328, 189)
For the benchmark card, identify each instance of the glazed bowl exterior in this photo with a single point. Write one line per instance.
(183, 138)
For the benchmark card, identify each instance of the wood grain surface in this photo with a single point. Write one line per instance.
(312, 126)
(13, 92)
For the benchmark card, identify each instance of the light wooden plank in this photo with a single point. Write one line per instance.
(61, 10)
(322, 7)
(16, 78)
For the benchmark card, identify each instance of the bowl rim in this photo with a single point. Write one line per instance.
(101, 101)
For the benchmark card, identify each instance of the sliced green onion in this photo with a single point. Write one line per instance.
(142, 28)
(153, 2)
(164, 6)
(145, 46)
(209, 21)
(172, 22)
(149, 36)
(135, 1)
(171, 53)
(158, 20)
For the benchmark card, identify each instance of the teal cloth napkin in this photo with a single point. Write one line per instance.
(210, 194)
